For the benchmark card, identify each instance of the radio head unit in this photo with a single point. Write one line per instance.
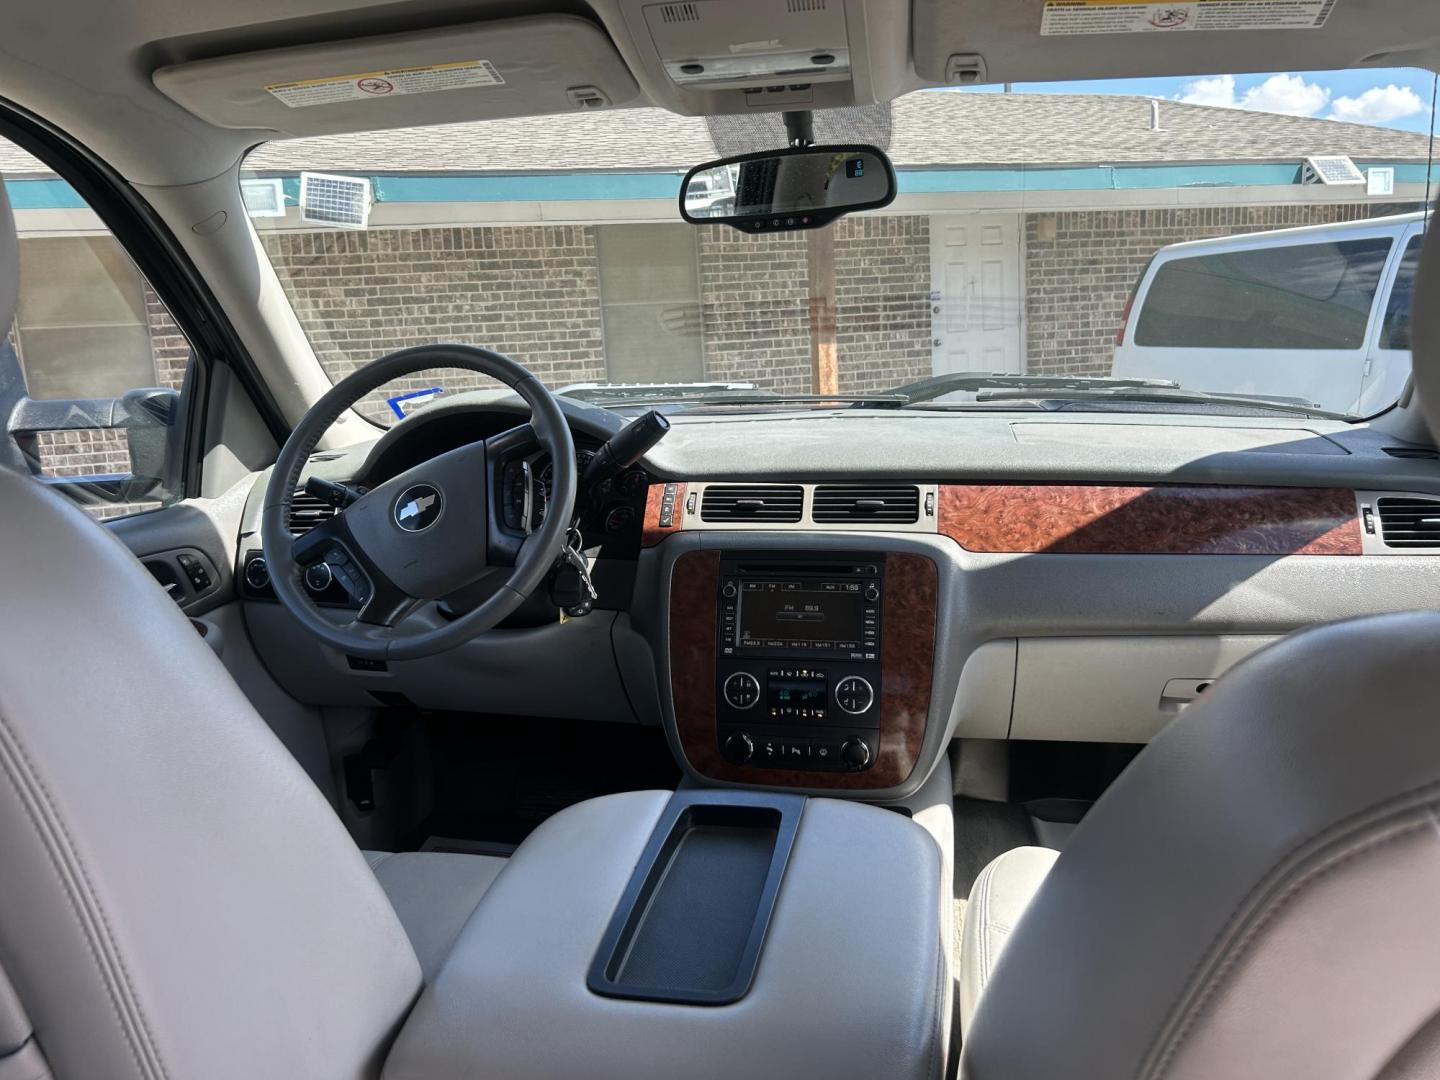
(801, 608)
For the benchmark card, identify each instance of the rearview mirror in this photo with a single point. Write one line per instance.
(802, 187)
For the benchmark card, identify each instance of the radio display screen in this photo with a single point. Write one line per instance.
(800, 614)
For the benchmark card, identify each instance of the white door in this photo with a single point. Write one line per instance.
(975, 298)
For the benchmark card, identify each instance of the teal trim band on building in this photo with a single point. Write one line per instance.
(43, 195)
(538, 187)
(50, 194)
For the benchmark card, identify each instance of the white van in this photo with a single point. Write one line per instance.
(1321, 313)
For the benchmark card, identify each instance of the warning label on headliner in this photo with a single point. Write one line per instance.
(429, 79)
(1145, 16)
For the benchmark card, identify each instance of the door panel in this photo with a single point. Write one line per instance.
(977, 305)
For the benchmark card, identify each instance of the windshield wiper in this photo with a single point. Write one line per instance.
(1162, 396)
(991, 386)
(745, 397)
(975, 381)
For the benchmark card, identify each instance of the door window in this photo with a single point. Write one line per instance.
(97, 363)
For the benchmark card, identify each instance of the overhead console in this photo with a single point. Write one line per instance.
(809, 669)
(703, 57)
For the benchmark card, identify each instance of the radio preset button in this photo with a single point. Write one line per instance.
(742, 690)
(854, 694)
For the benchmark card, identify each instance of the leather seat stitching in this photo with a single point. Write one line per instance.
(60, 850)
(939, 988)
(987, 875)
(1397, 804)
(1388, 834)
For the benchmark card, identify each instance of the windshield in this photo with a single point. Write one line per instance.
(1236, 245)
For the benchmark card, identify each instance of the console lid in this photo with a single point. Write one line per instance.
(850, 980)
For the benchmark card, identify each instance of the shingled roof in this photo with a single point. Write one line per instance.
(929, 129)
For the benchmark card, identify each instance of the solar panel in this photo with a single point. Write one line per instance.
(342, 201)
(1330, 169)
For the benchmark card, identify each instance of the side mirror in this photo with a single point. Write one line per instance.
(150, 417)
(803, 187)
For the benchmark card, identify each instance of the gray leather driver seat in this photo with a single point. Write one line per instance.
(176, 897)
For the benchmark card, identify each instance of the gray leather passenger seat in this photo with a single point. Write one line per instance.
(998, 898)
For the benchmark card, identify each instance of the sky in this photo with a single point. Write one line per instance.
(1388, 97)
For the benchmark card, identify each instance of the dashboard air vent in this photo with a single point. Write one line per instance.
(879, 504)
(1409, 523)
(307, 511)
(1413, 453)
(773, 504)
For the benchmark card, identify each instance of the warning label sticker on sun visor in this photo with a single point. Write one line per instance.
(1145, 16)
(429, 79)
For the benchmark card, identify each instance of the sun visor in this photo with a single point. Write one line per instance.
(480, 71)
(978, 41)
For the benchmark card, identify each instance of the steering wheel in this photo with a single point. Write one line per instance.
(431, 530)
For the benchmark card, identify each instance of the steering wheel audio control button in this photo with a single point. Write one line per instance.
(742, 690)
(318, 577)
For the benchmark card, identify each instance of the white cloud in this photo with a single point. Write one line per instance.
(1289, 94)
(1217, 91)
(1378, 104)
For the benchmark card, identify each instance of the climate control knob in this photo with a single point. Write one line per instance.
(854, 694)
(742, 690)
(855, 753)
(738, 748)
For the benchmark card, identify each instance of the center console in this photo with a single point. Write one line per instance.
(798, 673)
(705, 934)
(809, 669)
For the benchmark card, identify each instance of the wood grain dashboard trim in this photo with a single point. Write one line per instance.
(653, 532)
(1160, 520)
(907, 653)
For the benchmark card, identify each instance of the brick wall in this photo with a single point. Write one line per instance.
(882, 271)
(532, 292)
(1081, 265)
(754, 308)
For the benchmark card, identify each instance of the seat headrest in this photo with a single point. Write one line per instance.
(9, 263)
(1425, 334)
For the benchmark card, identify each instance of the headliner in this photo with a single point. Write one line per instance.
(98, 85)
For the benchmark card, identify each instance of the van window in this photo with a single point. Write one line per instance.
(1304, 296)
(1395, 334)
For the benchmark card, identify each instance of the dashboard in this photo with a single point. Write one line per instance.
(821, 602)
